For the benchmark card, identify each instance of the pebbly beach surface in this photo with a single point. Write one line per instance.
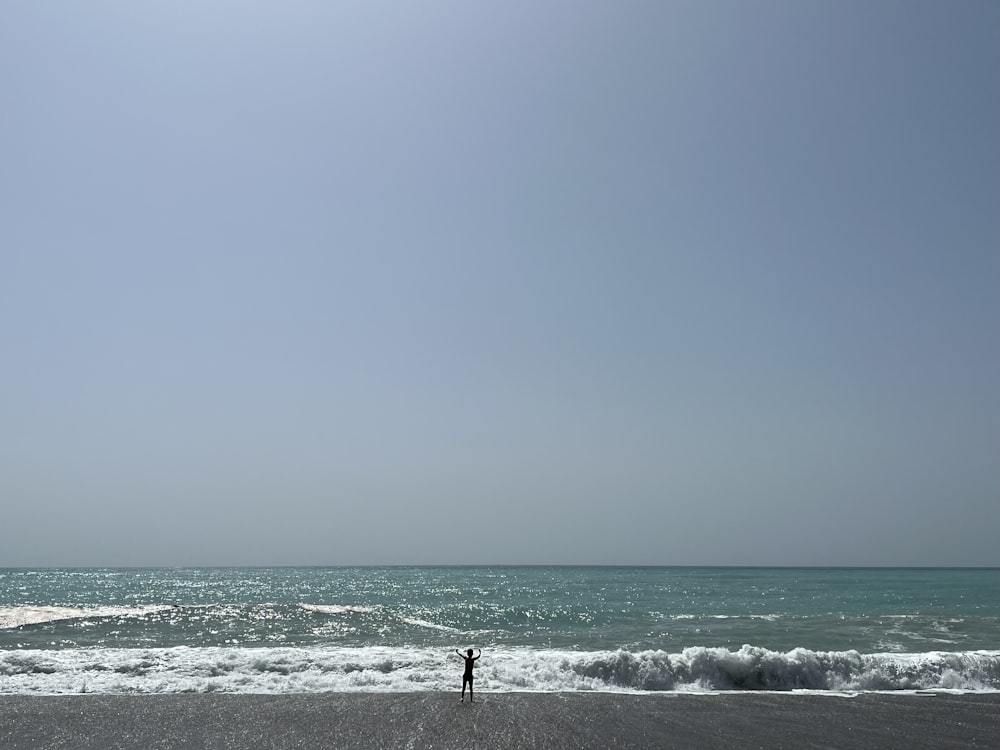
(554, 721)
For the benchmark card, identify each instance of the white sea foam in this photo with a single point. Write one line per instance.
(767, 618)
(16, 617)
(428, 624)
(384, 669)
(342, 609)
(335, 609)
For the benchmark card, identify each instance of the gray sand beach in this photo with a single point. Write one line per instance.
(504, 720)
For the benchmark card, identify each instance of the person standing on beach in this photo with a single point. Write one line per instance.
(470, 662)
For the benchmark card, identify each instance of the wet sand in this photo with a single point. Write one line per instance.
(553, 721)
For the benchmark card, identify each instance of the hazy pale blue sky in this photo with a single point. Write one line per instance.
(500, 282)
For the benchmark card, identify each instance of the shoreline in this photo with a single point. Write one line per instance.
(556, 721)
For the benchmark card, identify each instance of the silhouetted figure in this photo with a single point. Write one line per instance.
(470, 662)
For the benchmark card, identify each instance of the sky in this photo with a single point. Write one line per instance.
(519, 282)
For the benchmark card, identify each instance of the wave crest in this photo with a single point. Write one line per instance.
(384, 669)
(754, 668)
(16, 617)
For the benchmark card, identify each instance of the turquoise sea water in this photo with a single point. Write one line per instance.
(541, 628)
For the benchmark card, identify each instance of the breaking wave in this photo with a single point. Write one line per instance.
(335, 609)
(16, 617)
(754, 668)
(384, 669)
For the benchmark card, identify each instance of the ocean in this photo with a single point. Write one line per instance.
(396, 629)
